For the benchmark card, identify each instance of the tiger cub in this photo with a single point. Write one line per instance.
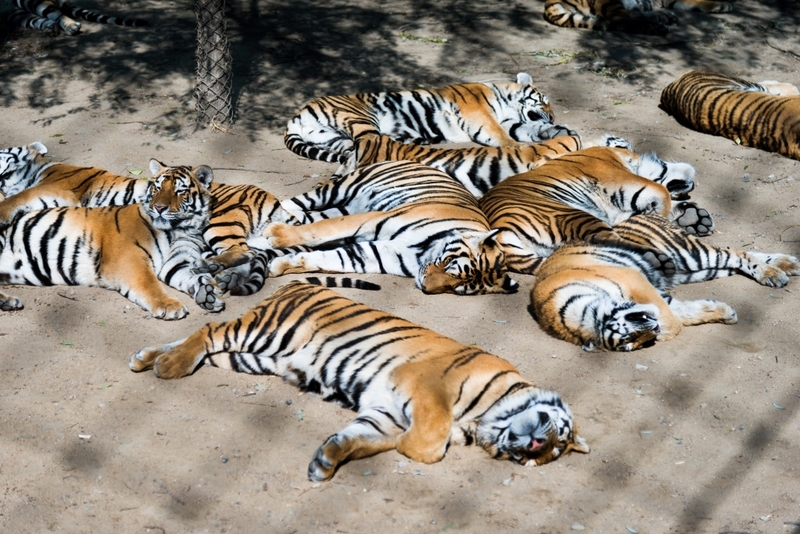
(584, 195)
(761, 115)
(631, 16)
(476, 168)
(415, 391)
(607, 296)
(492, 114)
(54, 15)
(239, 213)
(126, 248)
(396, 217)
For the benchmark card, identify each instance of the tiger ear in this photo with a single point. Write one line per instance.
(490, 240)
(523, 78)
(38, 147)
(579, 445)
(156, 167)
(588, 346)
(204, 175)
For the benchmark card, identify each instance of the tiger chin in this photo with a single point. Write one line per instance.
(415, 391)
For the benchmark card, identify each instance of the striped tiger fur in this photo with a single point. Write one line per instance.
(239, 213)
(762, 115)
(492, 114)
(126, 248)
(414, 390)
(583, 195)
(607, 296)
(53, 15)
(477, 168)
(395, 217)
(632, 16)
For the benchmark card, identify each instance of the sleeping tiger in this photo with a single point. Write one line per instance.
(583, 195)
(607, 296)
(761, 115)
(239, 213)
(53, 15)
(477, 168)
(126, 248)
(415, 391)
(631, 16)
(396, 217)
(492, 114)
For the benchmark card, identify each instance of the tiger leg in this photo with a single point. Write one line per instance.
(427, 438)
(363, 226)
(9, 303)
(379, 257)
(706, 6)
(34, 198)
(178, 272)
(372, 432)
(132, 275)
(694, 312)
(145, 358)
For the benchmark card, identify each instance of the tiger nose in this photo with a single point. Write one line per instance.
(159, 208)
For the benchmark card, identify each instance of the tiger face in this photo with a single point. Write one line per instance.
(531, 108)
(627, 326)
(532, 427)
(18, 165)
(475, 264)
(178, 197)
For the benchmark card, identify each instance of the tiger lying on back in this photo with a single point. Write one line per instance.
(53, 15)
(607, 296)
(761, 115)
(396, 217)
(631, 16)
(492, 114)
(126, 248)
(239, 213)
(415, 391)
(583, 195)
(477, 168)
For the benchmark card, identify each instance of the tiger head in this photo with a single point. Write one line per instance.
(473, 264)
(178, 197)
(19, 166)
(677, 177)
(524, 110)
(531, 427)
(625, 327)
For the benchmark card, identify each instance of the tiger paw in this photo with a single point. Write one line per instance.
(174, 364)
(143, 360)
(170, 310)
(321, 467)
(281, 235)
(660, 262)
(692, 219)
(786, 263)
(768, 275)
(9, 303)
(208, 294)
(207, 265)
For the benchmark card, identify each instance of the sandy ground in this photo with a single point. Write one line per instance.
(696, 435)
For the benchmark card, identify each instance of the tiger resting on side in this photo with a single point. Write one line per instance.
(647, 17)
(415, 391)
(491, 114)
(609, 297)
(124, 248)
(762, 115)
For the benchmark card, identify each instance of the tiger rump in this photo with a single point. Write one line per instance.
(631, 16)
(760, 115)
(415, 391)
(53, 15)
(581, 195)
(608, 296)
(128, 248)
(400, 218)
(492, 114)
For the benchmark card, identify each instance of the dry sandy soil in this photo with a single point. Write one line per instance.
(695, 435)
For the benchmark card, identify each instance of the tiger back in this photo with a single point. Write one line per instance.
(631, 16)
(125, 248)
(760, 115)
(414, 390)
(581, 195)
(401, 218)
(53, 15)
(491, 114)
(609, 296)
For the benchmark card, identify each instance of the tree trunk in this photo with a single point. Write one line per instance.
(214, 65)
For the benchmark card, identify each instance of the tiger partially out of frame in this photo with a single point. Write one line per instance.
(395, 217)
(584, 195)
(239, 212)
(761, 115)
(50, 16)
(607, 296)
(124, 248)
(647, 17)
(491, 114)
(414, 390)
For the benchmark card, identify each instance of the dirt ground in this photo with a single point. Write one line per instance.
(695, 435)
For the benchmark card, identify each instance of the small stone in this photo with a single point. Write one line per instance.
(578, 526)
(640, 367)
(288, 402)
(224, 459)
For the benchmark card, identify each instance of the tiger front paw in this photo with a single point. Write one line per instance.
(170, 310)
(281, 235)
(321, 467)
(208, 294)
(692, 219)
(143, 360)
(9, 303)
(771, 276)
(207, 265)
